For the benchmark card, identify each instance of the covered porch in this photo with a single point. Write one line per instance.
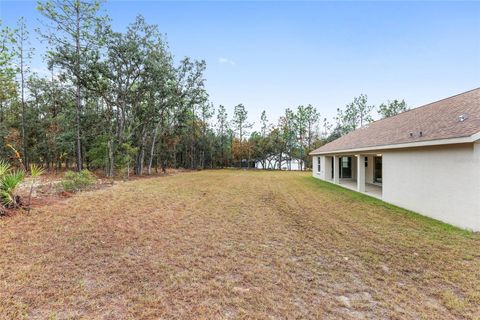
(371, 189)
(359, 172)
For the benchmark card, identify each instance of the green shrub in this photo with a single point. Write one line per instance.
(75, 181)
(9, 181)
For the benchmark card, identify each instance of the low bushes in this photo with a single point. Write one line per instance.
(76, 181)
(9, 181)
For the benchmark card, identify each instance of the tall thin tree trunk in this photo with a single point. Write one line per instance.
(141, 154)
(77, 95)
(223, 150)
(111, 160)
(152, 148)
(22, 76)
(174, 155)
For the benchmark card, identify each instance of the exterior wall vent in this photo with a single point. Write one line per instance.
(462, 117)
(413, 135)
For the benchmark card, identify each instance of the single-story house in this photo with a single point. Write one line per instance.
(426, 160)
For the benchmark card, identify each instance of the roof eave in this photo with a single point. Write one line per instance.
(467, 139)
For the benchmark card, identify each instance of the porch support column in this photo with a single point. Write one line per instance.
(336, 171)
(360, 173)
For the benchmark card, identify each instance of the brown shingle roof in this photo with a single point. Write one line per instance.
(435, 121)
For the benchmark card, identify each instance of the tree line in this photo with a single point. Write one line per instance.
(117, 101)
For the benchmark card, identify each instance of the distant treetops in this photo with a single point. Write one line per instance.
(118, 102)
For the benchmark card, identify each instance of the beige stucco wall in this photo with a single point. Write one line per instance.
(315, 171)
(439, 182)
(326, 167)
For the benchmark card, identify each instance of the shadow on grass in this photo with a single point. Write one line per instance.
(356, 196)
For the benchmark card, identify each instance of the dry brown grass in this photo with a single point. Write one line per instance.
(234, 245)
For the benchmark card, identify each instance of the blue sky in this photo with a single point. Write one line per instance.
(271, 55)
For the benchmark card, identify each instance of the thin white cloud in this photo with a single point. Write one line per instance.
(223, 60)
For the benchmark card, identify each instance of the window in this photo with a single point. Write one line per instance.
(366, 162)
(319, 164)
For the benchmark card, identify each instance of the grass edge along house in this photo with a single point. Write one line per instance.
(426, 160)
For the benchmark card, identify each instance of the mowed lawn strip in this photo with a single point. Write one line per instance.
(231, 244)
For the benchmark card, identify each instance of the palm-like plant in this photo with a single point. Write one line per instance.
(8, 183)
(4, 167)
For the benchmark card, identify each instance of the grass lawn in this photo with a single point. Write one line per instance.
(234, 244)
